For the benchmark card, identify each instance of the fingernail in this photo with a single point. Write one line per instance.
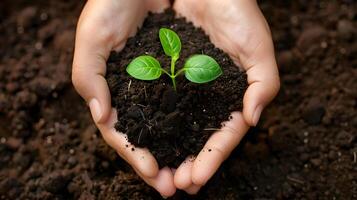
(256, 115)
(164, 197)
(95, 109)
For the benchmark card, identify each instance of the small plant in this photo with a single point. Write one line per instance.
(198, 68)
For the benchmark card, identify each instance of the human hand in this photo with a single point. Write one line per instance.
(102, 27)
(239, 28)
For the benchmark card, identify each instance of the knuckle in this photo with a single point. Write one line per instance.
(77, 78)
(89, 31)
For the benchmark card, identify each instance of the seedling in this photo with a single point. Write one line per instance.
(198, 68)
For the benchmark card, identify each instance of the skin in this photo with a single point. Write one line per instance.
(104, 26)
(236, 26)
(239, 28)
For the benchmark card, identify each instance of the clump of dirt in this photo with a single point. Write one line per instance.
(172, 125)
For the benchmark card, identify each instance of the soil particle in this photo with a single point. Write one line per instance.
(13, 143)
(309, 35)
(26, 17)
(345, 139)
(287, 190)
(42, 86)
(304, 157)
(56, 182)
(316, 162)
(346, 29)
(10, 188)
(12, 87)
(65, 40)
(49, 30)
(72, 161)
(285, 60)
(314, 112)
(24, 99)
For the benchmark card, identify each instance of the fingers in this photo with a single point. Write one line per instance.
(140, 159)
(92, 86)
(183, 177)
(89, 67)
(103, 26)
(218, 148)
(183, 174)
(264, 84)
(163, 182)
(258, 59)
(193, 189)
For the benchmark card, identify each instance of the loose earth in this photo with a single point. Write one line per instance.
(172, 125)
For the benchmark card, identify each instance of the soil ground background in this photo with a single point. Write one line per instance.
(303, 148)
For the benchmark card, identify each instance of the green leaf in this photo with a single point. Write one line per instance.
(202, 69)
(170, 42)
(144, 68)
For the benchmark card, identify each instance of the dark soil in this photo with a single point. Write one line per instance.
(172, 125)
(303, 148)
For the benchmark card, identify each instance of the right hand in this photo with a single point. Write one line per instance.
(104, 26)
(239, 28)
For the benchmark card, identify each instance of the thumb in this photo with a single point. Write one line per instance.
(88, 75)
(264, 84)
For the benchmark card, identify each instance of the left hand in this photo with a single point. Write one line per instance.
(105, 25)
(239, 28)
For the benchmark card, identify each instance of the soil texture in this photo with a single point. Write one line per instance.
(172, 125)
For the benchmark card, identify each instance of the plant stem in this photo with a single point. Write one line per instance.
(179, 72)
(172, 76)
(173, 82)
(165, 72)
(173, 60)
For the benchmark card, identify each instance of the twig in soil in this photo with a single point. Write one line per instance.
(295, 180)
(149, 127)
(142, 114)
(211, 129)
(141, 131)
(129, 84)
(354, 157)
(145, 94)
(138, 104)
(176, 150)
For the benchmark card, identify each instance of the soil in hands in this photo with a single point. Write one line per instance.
(172, 125)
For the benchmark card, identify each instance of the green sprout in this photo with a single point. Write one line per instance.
(198, 68)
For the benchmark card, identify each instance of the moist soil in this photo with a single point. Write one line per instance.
(304, 146)
(172, 125)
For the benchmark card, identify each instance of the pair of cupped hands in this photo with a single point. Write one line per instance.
(236, 26)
